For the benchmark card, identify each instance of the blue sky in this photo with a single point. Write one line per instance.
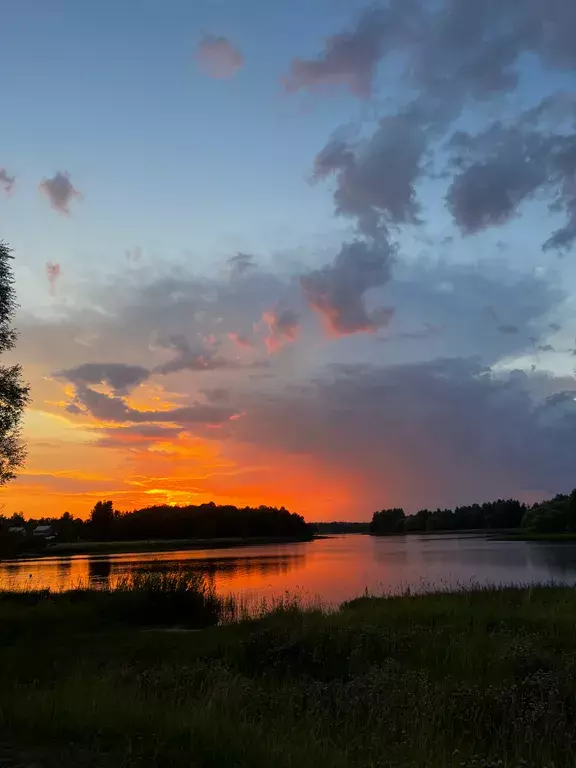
(168, 159)
(165, 157)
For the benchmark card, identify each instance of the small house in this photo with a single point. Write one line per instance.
(44, 532)
(17, 530)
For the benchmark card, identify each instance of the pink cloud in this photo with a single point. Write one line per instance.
(59, 192)
(337, 291)
(241, 340)
(283, 328)
(218, 57)
(53, 271)
(349, 58)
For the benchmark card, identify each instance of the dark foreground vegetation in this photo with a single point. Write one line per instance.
(105, 524)
(556, 516)
(477, 678)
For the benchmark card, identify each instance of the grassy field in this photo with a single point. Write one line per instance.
(477, 678)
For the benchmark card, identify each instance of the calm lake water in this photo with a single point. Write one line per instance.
(334, 569)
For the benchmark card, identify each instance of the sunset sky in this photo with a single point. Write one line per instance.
(311, 254)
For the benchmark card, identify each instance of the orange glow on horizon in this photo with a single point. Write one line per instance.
(74, 460)
(68, 471)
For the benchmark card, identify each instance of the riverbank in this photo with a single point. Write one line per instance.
(488, 532)
(475, 678)
(156, 545)
(533, 536)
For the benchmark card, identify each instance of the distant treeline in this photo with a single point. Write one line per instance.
(558, 515)
(340, 527)
(205, 521)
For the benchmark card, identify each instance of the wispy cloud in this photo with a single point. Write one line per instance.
(241, 340)
(53, 272)
(240, 263)
(283, 328)
(133, 255)
(203, 357)
(7, 181)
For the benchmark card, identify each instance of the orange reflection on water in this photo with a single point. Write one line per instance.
(333, 569)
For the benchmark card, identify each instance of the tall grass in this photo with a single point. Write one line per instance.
(481, 678)
(165, 598)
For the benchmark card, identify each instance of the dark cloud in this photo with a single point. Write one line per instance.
(351, 58)
(453, 56)
(283, 328)
(508, 329)
(120, 377)
(453, 50)
(554, 327)
(545, 348)
(202, 358)
(376, 180)
(470, 51)
(489, 191)
(240, 264)
(59, 192)
(74, 409)
(116, 409)
(218, 57)
(504, 166)
(135, 435)
(7, 181)
(53, 272)
(428, 434)
(337, 291)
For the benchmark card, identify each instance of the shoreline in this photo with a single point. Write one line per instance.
(154, 545)
(489, 532)
(558, 538)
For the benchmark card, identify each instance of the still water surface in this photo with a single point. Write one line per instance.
(334, 569)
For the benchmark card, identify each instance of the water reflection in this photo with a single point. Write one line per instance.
(560, 559)
(335, 569)
(99, 570)
(239, 567)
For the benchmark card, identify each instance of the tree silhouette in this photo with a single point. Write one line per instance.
(14, 394)
(571, 511)
(102, 519)
(387, 521)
